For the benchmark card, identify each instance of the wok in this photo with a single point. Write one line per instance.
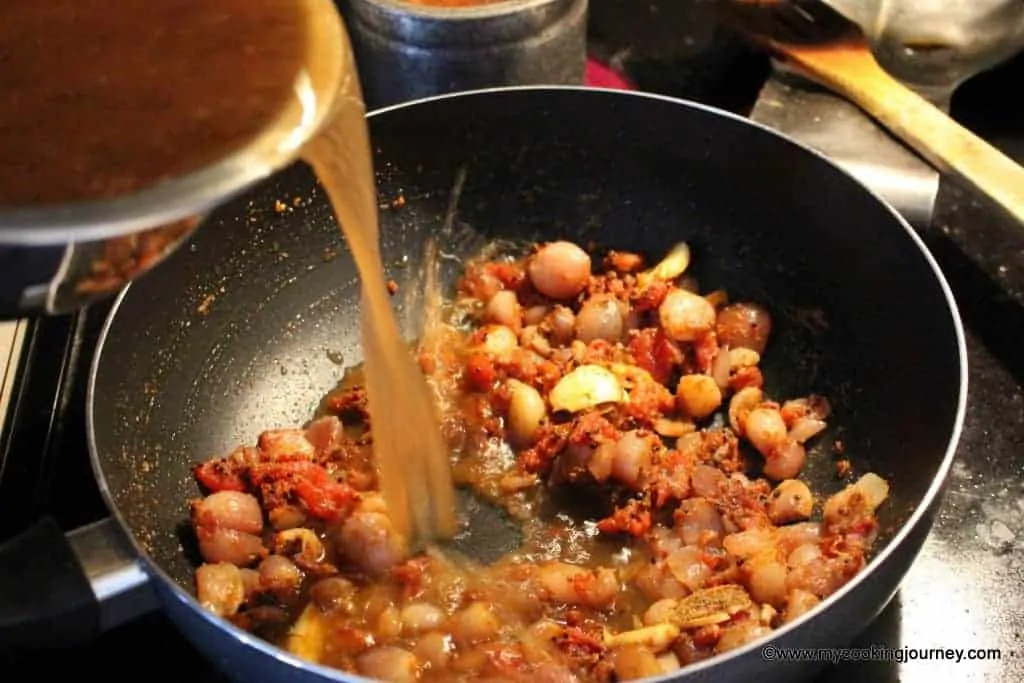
(241, 332)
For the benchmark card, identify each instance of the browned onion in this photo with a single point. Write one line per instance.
(744, 325)
(720, 367)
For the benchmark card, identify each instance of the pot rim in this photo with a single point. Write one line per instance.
(485, 10)
(428, 26)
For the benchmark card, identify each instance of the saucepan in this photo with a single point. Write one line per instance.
(243, 330)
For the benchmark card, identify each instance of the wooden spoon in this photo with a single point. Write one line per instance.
(803, 35)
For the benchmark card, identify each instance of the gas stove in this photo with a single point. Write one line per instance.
(963, 592)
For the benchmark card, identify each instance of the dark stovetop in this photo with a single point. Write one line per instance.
(965, 589)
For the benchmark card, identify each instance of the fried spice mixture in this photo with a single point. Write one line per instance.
(619, 415)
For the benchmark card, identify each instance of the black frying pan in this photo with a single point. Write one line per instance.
(862, 316)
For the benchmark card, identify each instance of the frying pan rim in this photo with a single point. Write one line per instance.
(909, 525)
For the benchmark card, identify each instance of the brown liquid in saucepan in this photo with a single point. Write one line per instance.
(102, 99)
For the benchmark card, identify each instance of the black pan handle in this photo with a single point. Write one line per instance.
(60, 589)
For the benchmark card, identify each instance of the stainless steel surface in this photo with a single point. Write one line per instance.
(94, 270)
(60, 279)
(839, 130)
(950, 582)
(114, 571)
(406, 51)
(937, 44)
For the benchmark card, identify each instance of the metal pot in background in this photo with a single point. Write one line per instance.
(408, 51)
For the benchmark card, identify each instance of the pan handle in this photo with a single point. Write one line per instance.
(59, 589)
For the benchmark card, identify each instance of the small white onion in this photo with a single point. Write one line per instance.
(674, 264)
(806, 428)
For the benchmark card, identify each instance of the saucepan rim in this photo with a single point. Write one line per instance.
(494, 8)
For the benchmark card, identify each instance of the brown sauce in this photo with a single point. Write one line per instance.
(100, 102)
(101, 99)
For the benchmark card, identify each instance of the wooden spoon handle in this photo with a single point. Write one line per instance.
(851, 71)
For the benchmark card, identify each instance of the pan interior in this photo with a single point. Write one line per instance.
(248, 327)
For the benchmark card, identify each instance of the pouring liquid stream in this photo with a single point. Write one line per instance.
(411, 455)
(92, 111)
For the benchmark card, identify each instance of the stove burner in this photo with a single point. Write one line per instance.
(44, 459)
